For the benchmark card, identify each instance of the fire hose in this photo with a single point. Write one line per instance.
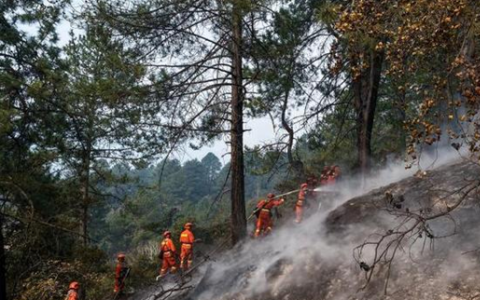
(318, 189)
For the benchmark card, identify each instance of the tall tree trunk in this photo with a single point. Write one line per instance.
(365, 90)
(3, 271)
(85, 192)
(239, 221)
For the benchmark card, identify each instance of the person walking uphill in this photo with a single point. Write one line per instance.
(121, 273)
(167, 255)
(264, 214)
(186, 239)
(73, 291)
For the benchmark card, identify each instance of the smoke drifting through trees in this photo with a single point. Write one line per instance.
(374, 78)
(318, 253)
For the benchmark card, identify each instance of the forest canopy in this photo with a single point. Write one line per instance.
(90, 126)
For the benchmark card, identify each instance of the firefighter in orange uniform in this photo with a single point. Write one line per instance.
(337, 172)
(121, 273)
(331, 177)
(73, 291)
(264, 214)
(167, 254)
(186, 239)
(324, 175)
(300, 203)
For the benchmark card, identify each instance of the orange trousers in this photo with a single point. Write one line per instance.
(119, 285)
(168, 263)
(72, 295)
(186, 256)
(298, 213)
(264, 226)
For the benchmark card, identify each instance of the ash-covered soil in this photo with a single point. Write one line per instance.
(428, 226)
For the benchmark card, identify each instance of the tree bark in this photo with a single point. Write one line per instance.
(3, 272)
(365, 90)
(239, 221)
(85, 191)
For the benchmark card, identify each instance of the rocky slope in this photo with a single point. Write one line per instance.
(420, 237)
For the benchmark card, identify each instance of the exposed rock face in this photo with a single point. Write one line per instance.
(429, 191)
(425, 230)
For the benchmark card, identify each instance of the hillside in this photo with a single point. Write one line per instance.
(123, 119)
(435, 260)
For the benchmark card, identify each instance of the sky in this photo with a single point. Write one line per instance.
(258, 131)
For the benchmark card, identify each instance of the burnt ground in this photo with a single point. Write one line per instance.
(437, 259)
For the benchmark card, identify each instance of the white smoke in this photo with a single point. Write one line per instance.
(295, 256)
(294, 251)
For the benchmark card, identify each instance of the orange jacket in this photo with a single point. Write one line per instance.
(271, 204)
(331, 180)
(72, 295)
(120, 270)
(265, 207)
(302, 193)
(187, 237)
(167, 245)
(301, 196)
(323, 179)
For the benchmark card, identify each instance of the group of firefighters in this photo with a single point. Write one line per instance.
(307, 191)
(264, 225)
(168, 255)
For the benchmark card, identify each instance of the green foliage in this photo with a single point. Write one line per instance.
(190, 192)
(82, 128)
(51, 282)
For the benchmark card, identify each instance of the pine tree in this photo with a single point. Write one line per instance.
(197, 49)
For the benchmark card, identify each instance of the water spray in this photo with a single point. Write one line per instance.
(318, 189)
